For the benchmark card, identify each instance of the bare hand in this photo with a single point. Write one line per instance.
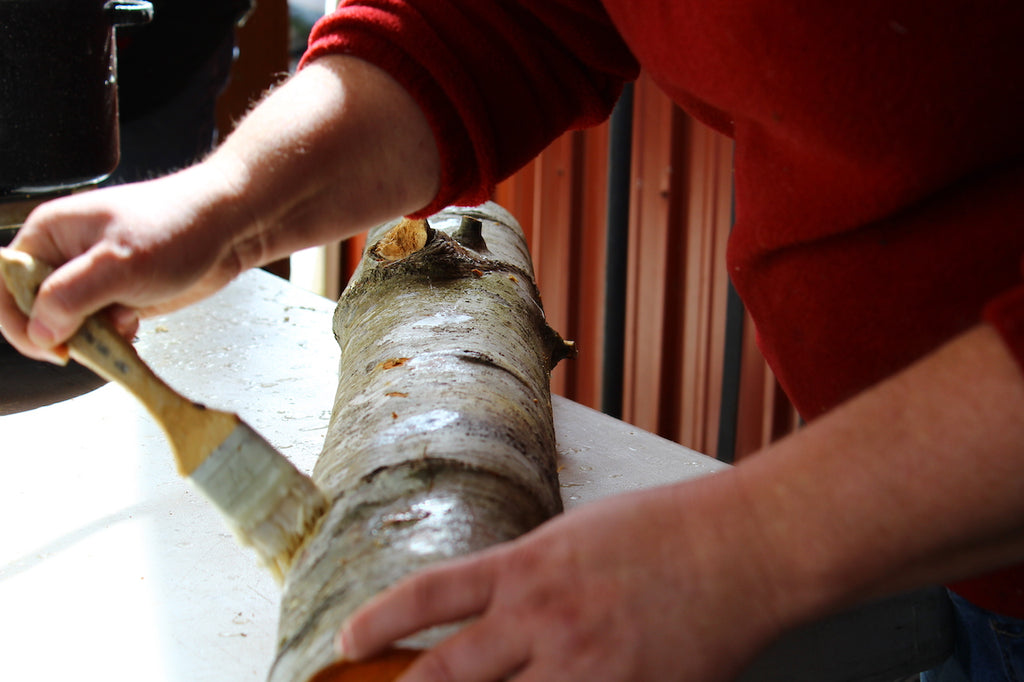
(626, 589)
(135, 250)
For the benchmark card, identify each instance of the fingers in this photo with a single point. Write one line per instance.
(483, 651)
(125, 320)
(63, 301)
(53, 318)
(153, 246)
(14, 326)
(74, 291)
(96, 263)
(440, 595)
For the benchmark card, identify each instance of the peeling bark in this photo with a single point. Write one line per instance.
(441, 441)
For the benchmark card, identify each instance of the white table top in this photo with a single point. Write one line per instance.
(112, 569)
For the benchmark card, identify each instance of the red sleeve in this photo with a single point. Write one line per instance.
(497, 81)
(1006, 314)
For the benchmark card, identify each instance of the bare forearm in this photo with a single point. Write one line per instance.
(919, 480)
(337, 149)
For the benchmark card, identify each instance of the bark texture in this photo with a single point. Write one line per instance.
(441, 441)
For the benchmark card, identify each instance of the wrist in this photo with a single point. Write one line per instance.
(731, 571)
(761, 551)
(230, 214)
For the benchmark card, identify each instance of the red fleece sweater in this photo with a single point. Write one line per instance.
(879, 153)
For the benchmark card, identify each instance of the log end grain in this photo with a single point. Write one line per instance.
(383, 668)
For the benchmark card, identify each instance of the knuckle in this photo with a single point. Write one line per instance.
(537, 579)
(117, 251)
(423, 592)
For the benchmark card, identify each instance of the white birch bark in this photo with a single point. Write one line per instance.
(441, 441)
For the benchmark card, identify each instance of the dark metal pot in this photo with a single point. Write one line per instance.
(58, 91)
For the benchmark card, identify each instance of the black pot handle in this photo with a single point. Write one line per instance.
(128, 12)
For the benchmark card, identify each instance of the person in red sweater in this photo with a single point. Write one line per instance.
(878, 246)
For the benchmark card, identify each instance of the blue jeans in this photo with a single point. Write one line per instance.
(989, 647)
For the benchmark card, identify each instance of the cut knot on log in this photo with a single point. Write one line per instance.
(403, 240)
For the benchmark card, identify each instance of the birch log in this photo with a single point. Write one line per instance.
(441, 440)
